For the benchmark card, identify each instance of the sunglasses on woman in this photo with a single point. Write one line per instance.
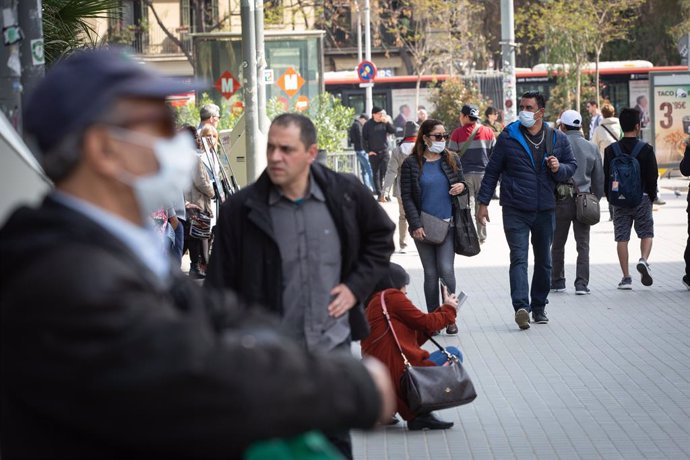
(439, 137)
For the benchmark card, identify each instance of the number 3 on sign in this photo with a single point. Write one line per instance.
(668, 122)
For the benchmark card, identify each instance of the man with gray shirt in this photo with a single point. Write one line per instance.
(305, 243)
(588, 177)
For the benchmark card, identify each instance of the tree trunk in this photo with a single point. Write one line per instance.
(579, 85)
(596, 72)
(416, 93)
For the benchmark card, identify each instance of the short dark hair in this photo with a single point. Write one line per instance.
(490, 111)
(307, 130)
(570, 128)
(541, 101)
(629, 118)
(404, 106)
(593, 102)
(363, 116)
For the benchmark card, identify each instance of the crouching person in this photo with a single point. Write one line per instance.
(413, 328)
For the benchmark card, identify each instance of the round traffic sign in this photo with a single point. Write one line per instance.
(366, 70)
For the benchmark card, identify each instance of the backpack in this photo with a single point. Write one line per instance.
(626, 180)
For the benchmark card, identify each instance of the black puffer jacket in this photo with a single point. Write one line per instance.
(411, 191)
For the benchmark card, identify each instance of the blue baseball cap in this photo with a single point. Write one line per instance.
(82, 86)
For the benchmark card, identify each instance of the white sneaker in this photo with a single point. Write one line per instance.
(643, 268)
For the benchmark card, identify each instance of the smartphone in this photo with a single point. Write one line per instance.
(461, 296)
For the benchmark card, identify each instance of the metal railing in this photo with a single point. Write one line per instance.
(344, 162)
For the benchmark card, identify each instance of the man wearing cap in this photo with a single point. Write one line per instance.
(589, 178)
(473, 143)
(209, 115)
(529, 158)
(105, 349)
(375, 136)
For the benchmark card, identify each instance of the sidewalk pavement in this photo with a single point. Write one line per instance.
(608, 377)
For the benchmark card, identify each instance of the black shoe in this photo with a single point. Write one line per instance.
(452, 329)
(686, 281)
(539, 317)
(428, 422)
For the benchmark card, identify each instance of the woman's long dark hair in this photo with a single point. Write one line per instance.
(420, 145)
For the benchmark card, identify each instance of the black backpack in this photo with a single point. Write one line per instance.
(625, 188)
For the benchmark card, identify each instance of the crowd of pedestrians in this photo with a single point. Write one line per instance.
(121, 355)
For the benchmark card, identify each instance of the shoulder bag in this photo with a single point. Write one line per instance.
(430, 388)
(587, 209)
(466, 144)
(465, 239)
(435, 229)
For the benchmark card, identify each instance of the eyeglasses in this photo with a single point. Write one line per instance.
(440, 137)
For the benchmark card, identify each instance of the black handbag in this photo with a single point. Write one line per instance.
(465, 240)
(430, 388)
(587, 208)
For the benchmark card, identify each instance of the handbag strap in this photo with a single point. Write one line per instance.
(469, 140)
(390, 324)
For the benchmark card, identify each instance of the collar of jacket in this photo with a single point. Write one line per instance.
(259, 212)
(82, 228)
(513, 131)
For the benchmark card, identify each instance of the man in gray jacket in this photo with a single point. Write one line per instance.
(588, 177)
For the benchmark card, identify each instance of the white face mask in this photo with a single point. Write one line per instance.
(176, 157)
(437, 147)
(527, 119)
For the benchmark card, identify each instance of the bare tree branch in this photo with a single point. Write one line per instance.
(169, 34)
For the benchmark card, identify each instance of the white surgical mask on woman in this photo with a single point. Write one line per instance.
(437, 147)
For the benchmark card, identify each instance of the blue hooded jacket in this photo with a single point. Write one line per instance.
(522, 187)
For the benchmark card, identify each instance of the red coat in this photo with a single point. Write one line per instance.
(410, 325)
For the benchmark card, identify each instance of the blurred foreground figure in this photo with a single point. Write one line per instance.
(107, 351)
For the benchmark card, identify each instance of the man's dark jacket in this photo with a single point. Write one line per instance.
(246, 256)
(527, 183)
(355, 135)
(375, 135)
(649, 172)
(100, 359)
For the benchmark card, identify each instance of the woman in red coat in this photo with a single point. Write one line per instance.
(412, 327)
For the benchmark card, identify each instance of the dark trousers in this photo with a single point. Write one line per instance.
(687, 246)
(517, 226)
(379, 165)
(565, 214)
(437, 262)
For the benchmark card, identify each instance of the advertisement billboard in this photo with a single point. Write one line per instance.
(671, 122)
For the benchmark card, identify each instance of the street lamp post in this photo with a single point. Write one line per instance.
(508, 61)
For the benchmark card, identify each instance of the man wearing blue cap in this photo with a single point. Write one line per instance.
(106, 350)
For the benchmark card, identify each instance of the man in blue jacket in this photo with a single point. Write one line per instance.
(530, 158)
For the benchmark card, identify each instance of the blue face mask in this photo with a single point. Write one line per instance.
(527, 119)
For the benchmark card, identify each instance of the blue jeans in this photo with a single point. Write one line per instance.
(439, 358)
(179, 242)
(365, 169)
(517, 226)
(437, 261)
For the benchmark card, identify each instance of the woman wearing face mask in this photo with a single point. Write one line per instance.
(430, 178)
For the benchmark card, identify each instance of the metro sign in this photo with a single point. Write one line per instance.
(227, 85)
(290, 82)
